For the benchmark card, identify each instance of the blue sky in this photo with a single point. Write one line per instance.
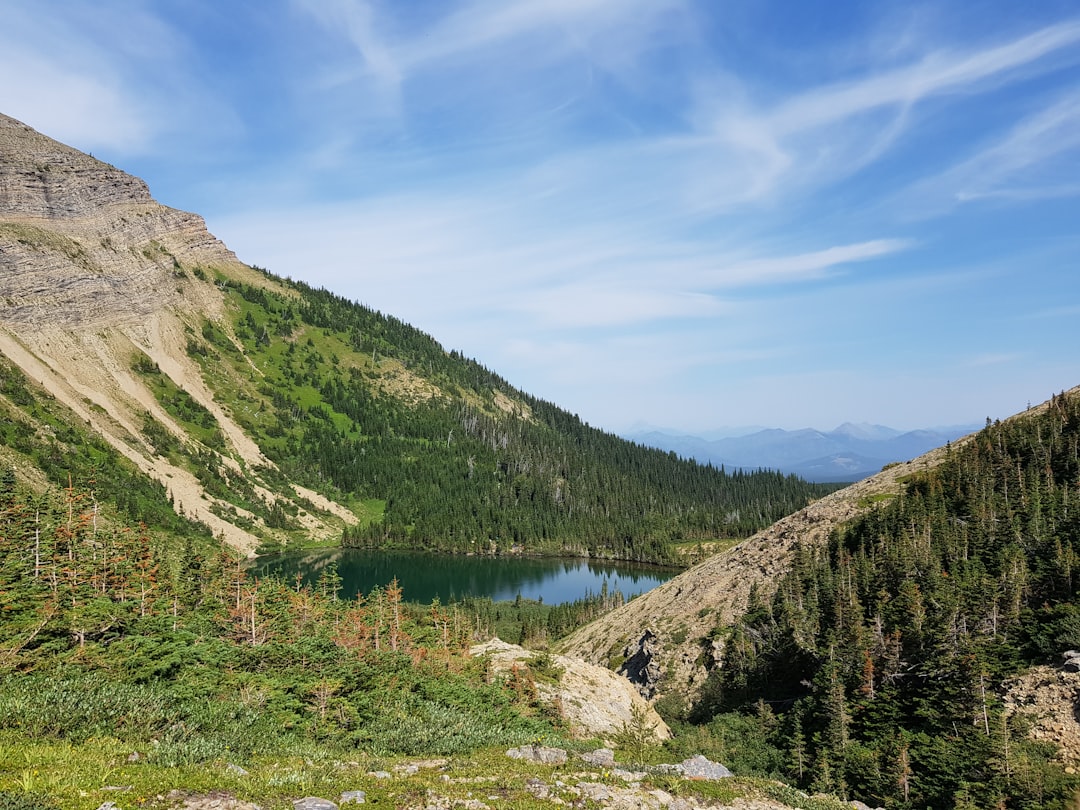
(684, 214)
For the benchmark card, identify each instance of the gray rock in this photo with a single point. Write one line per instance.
(217, 800)
(353, 797)
(235, 769)
(596, 792)
(313, 803)
(538, 788)
(380, 775)
(539, 753)
(600, 758)
(700, 767)
(640, 666)
(1071, 661)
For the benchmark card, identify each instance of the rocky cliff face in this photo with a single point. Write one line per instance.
(82, 243)
(95, 273)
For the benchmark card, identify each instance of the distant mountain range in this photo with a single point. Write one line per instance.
(850, 452)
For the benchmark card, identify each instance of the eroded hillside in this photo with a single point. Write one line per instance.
(676, 618)
(97, 275)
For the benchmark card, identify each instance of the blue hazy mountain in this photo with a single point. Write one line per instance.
(847, 453)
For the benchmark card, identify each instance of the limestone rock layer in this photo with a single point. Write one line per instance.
(83, 243)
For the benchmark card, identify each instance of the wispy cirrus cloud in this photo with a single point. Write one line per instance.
(824, 134)
(939, 71)
(392, 49)
(118, 78)
(1021, 166)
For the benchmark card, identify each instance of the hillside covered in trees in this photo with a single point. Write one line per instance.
(360, 405)
(877, 668)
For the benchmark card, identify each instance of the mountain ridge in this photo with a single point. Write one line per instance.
(846, 453)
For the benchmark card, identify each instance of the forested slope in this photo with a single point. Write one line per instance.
(360, 404)
(877, 667)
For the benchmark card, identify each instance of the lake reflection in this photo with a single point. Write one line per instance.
(423, 577)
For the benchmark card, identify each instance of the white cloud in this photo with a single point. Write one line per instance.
(805, 266)
(114, 77)
(467, 31)
(1030, 162)
(997, 359)
(938, 72)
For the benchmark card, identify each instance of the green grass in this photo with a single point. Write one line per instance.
(693, 551)
(82, 777)
(876, 498)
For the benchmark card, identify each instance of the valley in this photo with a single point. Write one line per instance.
(169, 414)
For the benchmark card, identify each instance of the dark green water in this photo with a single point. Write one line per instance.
(423, 577)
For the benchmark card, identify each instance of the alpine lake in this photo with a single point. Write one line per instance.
(426, 577)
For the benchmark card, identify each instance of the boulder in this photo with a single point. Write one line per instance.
(539, 753)
(314, 803)
(600, 758)
(641, 666)
(701, 767)
(594, 701)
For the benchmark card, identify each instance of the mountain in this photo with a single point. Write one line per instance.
(267, 413)
(850, 452)
(680, 614)
(715, 592)
(897, 641)
(899, 638)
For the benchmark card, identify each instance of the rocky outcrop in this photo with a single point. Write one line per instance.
(83, 243)
(94, 273)
(1049, 698)
(594, 701)
(641, 667)
(555, 780)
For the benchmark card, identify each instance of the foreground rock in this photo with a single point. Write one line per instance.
(538, 753)
(545, 777)
(594, 701)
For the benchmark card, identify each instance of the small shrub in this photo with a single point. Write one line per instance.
(544, 668)
(25, 801)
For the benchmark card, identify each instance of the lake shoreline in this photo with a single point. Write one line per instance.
(425, 575)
